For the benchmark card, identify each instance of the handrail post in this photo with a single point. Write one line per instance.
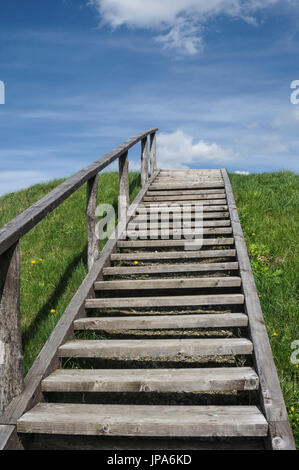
(144, 161)
(93, 250)
(11, 354)
(153, 152)
(124, 192)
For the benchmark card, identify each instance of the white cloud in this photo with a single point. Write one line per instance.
(179, 22)
(242, 172)
(178, 150)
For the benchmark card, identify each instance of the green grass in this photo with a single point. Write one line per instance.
(268, 207)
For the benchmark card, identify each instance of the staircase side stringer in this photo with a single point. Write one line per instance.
(280, 435)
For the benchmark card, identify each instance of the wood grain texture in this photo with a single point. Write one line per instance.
(173, 243)
(124, 192)
(144, 161)
(173, 268)
(153, 152)
(91, 205)
(9, 439)
(11, 354)
(160, 322)
(154, 348)
(178, 217)
(173, 255)
(167, 301)
(184, 192)
(148, 420)
(189, 283)
(151, 380)
(173, 225)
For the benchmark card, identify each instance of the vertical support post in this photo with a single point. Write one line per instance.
(93, 251)
(124, 192)
(153, 153)
(144, 161)
(11, 354)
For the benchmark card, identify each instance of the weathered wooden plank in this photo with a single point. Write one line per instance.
(187, 202)
(151, 380)
(271, 396)
(93, 250)
(167, 301)
(158, 186)
(16, 228)
(185, 192)
(172, 243)
(144, 420)
(124, 193)
(188, 283)
(146, 216)
(172, 255)
(179, 208)
(170, 268)
(144, 161)
(173, 225)
(47, 359)
(9, 439)
(153, 153)
(153, 348)
(11, 354)
(177, 232)
(162, 322)
(183, 197)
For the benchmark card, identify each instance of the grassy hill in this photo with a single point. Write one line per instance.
(53, 260)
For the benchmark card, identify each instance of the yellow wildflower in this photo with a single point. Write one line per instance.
(41, 259)
(136, 262)
(260, 295)
(292, 409)
(275, 334)
(33, 261)
(52, 310)
(253, 234)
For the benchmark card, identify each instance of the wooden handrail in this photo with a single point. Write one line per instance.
(20, 225)
(11, 358)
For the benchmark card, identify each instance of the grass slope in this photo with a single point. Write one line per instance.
(53, 260)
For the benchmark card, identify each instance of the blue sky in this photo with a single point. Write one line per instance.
(82, 76)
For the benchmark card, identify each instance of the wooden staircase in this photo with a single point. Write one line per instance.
(170, 348)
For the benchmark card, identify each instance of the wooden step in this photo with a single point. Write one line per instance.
(177, 231)
(173, 243)
(184, 192)
(183, 197)
(160, 322)
(187, 202)
(178, 208)
(169, 301)
(189, 283)
(150, 224)
(143, 420)
(178, 217)
(172, 255)
(172, 268)
(151, 380)
(155, 348)
(160, 185)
